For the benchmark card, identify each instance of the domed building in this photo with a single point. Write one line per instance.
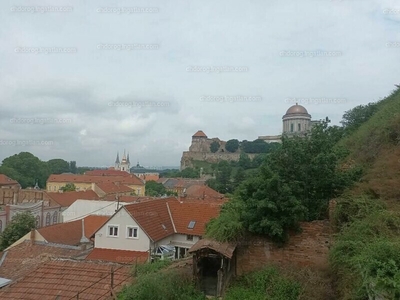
(297, 120)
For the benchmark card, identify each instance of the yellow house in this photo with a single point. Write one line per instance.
(88, 182)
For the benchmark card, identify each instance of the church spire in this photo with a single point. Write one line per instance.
(117, 159)
(127, 159)
(124, 157)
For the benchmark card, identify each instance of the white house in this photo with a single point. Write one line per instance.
(81, 208)
(147, 226)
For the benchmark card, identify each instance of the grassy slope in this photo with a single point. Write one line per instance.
(375, 145)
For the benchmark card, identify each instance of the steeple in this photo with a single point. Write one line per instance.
(124, 157)
(117, 160)
(127, 159)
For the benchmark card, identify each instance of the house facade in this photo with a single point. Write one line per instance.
(163, 222)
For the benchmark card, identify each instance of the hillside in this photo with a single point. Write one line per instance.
(375, 146)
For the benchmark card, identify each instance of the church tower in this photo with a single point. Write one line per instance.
(116, 166)
(125, 163)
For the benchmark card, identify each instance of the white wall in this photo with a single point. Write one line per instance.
(81, 208)
(122, 219)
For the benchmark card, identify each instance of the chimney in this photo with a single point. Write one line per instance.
(84, 239)
(33, 236)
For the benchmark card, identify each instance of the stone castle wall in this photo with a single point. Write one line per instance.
(188, 157)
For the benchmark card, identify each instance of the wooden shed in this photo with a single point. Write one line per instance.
(214, 264)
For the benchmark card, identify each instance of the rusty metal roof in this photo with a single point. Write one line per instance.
(225, 249)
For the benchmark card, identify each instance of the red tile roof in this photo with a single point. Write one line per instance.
(108, 172)
(202, 191)
(199, 133)
(127, 180)
(128, 199)
(70, 233)
(151, 216)
(5, 180)
(66, 278)
(24, 257)
(66, 199)
(118, 256)
(200, 212)
(110, 188)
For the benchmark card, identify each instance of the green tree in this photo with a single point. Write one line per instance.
(232, 145)
(353, 118)
(26, 169)
(223, 177)
(190, 173)
(239, 177)
(69, 187)
(21, 224)
(244, 161)
(72, 167)
(214, 146)
(58, 166)
(156, 189)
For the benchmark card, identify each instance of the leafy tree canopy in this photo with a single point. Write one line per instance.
(353, 118)
(232, 145)
(214, 146)
(21, 224)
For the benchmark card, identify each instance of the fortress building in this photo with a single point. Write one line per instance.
(296, 121)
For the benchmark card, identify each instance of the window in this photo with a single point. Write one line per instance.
(132, 232)
(37, 221)
(189, 237)
(113, 230)
(299, 127)
(191, 224)
(291, 127)
(55, 217)
(54, 188)
(48, 219)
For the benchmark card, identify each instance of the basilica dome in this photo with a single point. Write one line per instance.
(296, 109)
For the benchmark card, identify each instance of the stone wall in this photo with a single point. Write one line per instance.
(308, 248)
(189, 156)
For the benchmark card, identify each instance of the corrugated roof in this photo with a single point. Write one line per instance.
(65, 278)
(225, 249)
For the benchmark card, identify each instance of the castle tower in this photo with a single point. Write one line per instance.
(296, 120)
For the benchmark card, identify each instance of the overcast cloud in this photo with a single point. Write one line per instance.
(147, 97)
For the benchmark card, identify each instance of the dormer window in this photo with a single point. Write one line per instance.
(191, 224)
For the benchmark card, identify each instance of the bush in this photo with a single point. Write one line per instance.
(167, 285)
(265, 284)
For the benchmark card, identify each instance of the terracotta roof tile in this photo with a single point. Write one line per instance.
(22, 258)
(185, 212)
(70, 233)
(109, 187)
(151, 216)
(68, 198)
(65, 278)
(131, 179)
(108, 172)
(5, 180)
(118, 256)
(199, 133)
(202, 191)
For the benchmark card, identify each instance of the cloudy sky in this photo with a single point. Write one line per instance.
(85, 79)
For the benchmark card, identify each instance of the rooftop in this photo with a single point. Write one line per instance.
(5, 180)
(199, 133)
(66, 199)
(22, 258)
(131, 179)
(118, 256)
(66, 278)
(70, 233)
(110, 188)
